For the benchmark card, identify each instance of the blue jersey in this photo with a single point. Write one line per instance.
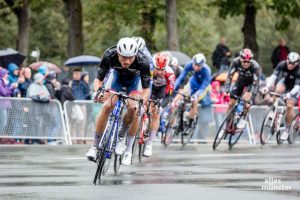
(199, 81)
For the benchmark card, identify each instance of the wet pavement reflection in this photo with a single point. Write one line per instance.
(61, 172)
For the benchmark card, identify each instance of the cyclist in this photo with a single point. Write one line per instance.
(130, 69)
(198, 84)
(286, 76)
(163, 85)
(247, 82)
(176, 67)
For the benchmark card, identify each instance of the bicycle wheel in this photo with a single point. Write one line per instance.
(141, 151)
(117, 163)
(294, 129)
(102, 154)
(222, 134)
(135, 148)
(171, 128)
(233, 138)
(267, 128)
(188, 134)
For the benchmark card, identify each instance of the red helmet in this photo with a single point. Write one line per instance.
(161, 60)
(246, 54)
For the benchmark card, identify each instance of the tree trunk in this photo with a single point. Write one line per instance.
(249, 28)
(171, 15)
(75, 36)
(22, 11)
(147, 25)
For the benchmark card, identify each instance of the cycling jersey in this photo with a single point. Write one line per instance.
(248, 78)
(140, 67)
(198, 82)
(165, 82)
(290, 78)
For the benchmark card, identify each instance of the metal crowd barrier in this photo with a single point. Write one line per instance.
(22, 118)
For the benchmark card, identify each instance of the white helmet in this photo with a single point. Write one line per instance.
(293, 57)
(174, 61)
(127, 47)
(140, 42)
(199, 59)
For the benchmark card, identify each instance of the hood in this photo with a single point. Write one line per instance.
(3, 72)
(12, 67)
(37, 77)
(43, 69)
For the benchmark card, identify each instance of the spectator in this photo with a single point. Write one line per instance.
(65, 92)
(218, 97)
(80, 90)
(64, 73)
(280, 53)
(52, 84)
(85, 78)
(176, 67)
(13, 78)
(221, 55)
(37, 90)
(5, 104)
(43, 70)
(25, 81)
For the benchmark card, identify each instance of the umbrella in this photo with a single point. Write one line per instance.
(51, 67)
(10, 56)
(223, 76)
(83, 60)
(182, 57)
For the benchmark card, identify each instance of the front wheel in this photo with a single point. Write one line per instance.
(267, 128)
(117, 163)
(171, 129)
(294, 129)
(187, 135)
(222, 133)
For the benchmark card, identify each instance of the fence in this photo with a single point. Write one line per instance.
(23, 118)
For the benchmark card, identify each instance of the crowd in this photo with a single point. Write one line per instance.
(44, 86)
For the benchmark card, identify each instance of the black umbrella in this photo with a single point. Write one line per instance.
(83, 60)
(10, 56)
(182, 57)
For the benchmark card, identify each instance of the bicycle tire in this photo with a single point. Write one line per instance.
(170, 131)
(101, 158)
(141, 151)
(266, 134)
(218, 137)
(185, 139)
(135, 149)
(117, 163)
(294, 129)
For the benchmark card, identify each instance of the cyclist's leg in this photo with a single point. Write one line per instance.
(101, 120)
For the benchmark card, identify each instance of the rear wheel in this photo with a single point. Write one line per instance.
(141, 151)
(117, 162)
(267, 128)
(294, 129)
(187, 136)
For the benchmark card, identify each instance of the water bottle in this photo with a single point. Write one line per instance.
(239, 108)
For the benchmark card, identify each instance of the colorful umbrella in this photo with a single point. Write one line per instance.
(51, 67)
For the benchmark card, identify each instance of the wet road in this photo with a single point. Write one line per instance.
(195, 172)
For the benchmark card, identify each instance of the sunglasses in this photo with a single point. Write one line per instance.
(245, 61)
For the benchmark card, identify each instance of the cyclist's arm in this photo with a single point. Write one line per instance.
(230, 74)
(180, 79)
(276, 73)
(145, 79)
(296, 87)
(170, 77)
(255, 83)
(104, 67)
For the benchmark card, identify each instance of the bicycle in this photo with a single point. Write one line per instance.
(108, 140)
(294, 128)
(232, 124)
(143, 132)
(272, 122)
(177, 123)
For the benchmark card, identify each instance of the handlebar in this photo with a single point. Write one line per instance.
(241, 99)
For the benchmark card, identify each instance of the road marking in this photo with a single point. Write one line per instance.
(74, 158)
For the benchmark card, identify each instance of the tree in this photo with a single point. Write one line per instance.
(249, 8)
(75, 36)
(22, 10)
(171, 15)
